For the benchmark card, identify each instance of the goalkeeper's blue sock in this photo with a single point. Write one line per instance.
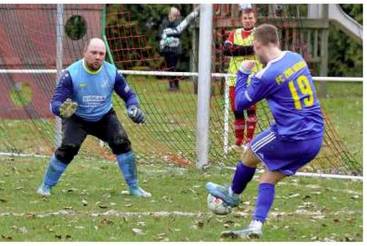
(241, 177)
(126, 162)
(54, 171)
(264, 201)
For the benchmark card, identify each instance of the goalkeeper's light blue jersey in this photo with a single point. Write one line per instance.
(91, 90)
(287, 85)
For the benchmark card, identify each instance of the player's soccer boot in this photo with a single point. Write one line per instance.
(138, 192)
(44, 190)
(223, 193)
(253, 231)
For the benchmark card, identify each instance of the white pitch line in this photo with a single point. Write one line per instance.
(22, 155)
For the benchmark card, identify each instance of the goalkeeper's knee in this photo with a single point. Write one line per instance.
(120, 145)
(65, 153)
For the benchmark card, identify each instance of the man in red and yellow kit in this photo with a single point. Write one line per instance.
(239, 46)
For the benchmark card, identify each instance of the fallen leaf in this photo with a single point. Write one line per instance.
(71, 190)
(103, 206)
(140, 223)
(294, 195)
(138, 231)
(306, 197)
(314, 238)
(105, 221)
(6, 237)
(200, 224)
(230, 222)
(20, 229)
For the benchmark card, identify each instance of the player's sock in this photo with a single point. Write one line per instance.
(264, 201)
(241, 177)
(127, 165)
(239, 130)
(250, 127)
(54, 171)
(232, 97)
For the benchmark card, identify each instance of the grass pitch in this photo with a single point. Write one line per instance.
(87, 205)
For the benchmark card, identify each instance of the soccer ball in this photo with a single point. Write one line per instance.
(217, 205)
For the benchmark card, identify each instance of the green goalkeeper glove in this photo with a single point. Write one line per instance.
(68, 108)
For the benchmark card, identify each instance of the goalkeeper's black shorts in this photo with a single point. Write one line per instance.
(108, 129)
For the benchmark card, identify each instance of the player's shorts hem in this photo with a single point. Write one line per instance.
(285, 172)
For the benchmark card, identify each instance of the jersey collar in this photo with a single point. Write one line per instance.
(90, 71)
(284, 52)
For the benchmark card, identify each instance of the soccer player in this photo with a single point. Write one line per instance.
(239, 46)
(83, 99)
(293, 140)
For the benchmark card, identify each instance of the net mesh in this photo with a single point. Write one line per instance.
(27, 126)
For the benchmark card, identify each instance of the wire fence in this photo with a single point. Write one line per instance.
(28, 74)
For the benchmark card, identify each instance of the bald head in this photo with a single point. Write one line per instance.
(94, 53)
(173, 14)
(95, 43)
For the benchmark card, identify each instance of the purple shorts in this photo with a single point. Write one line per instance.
(284, 155)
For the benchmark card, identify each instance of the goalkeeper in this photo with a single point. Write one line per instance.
(83, 99)
(292, 141)
(239, 46)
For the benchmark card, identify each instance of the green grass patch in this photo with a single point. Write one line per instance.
(344, 106)
(87, 205)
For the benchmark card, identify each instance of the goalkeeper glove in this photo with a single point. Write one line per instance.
(136, 114)
(68, 108)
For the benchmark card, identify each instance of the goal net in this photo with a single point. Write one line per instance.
(27, 82)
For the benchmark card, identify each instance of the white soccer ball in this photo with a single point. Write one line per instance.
(217, 205)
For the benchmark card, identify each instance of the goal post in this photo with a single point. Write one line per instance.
(204, 85)
(59, 62)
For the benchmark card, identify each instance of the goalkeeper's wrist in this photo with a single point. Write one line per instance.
(133, 105)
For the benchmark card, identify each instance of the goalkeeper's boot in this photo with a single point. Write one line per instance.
(44, 190)
(52, 175)
(127, 165)
(253, 231)
(138, 191)
(223, 193)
